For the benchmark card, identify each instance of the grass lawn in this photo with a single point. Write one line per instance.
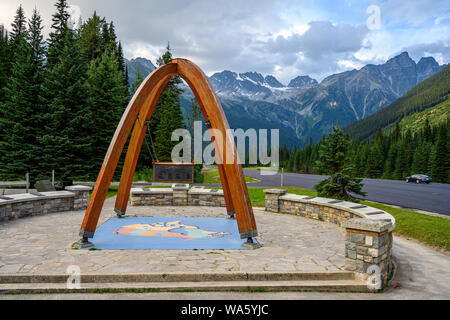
(112, 191)
(212, 176)
(434, 231)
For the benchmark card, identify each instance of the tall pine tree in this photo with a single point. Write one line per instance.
(60, 26)
(19, 29)
(137, 82)
(21, 119)
(91, 39)
(5, 61)
(441, 163)
(107, 98)
(334, 159)
(167, 115)
(68, 144)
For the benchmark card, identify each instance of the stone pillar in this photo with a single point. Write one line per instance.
(368, 250)
(81, 199)
(272, 197)
(180, 194)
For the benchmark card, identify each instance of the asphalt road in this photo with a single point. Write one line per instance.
(434, 197)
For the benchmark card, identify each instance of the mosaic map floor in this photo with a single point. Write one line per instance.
(163, 233)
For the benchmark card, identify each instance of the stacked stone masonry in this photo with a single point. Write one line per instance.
(368, 230)
(368, 249)
(178, 195)
(25, 205)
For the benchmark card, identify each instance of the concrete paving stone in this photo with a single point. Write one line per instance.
(10, 268)
(32, 243)
(280, 267)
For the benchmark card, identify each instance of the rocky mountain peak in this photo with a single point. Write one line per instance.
(403, 59)
(271, 81)
(145, 62)
(254, 77)
(426, 67)
(302, 81)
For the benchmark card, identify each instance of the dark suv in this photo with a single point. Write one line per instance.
(419, 178)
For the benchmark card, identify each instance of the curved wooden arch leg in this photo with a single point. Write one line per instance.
(115, 149)
(207, 99)
(134, 149)
(226, 193)
(223, 178)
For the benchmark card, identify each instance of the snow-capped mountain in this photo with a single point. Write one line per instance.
(307, 108)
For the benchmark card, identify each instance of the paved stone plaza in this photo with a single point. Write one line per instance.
(43, 245)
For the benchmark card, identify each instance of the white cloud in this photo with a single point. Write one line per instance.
(283, 38)
(75, 15)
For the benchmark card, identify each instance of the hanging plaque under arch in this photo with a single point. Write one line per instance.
(173, 172)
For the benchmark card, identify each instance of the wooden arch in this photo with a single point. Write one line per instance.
(140, 109)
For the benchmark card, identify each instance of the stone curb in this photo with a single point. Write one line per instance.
(181, 277)
(25, 197)
(333, 285)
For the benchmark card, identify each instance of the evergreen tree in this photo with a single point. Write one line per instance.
(441, 166)
(92, 42)
(374, 165)
(19, 29)
(36, 41)
(427, 131)
(113, 36)
(400, 162)
(15, 150)
(137, 82)
(171, 119)
(397, 132)
(5, 62)
(389, 166)
(421, 158)
(107, 98)
(333, 152)
(106, 38)
(126, 76)
(167, 115)
(67, 143)
(195, 114)
(121, 62)
(60, 26)
(21, 119)
(334, 160)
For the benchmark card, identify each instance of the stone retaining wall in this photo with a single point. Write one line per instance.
(368, 248)
(33, 204)
(178, 195)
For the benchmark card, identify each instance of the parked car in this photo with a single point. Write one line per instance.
(419, 178)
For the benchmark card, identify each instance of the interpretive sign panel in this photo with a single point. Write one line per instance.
(173, 172)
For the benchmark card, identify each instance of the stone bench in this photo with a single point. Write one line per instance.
(368, 248)
(38, 203)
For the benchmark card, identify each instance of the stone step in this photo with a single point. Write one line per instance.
(260, 286)
(181, 277)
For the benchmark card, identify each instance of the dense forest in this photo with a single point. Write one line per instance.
(61, 99)
(393, 156)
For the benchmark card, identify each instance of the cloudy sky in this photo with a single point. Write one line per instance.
(282, 38)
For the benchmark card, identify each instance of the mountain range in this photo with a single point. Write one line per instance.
(305, 108)
(429, 100)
